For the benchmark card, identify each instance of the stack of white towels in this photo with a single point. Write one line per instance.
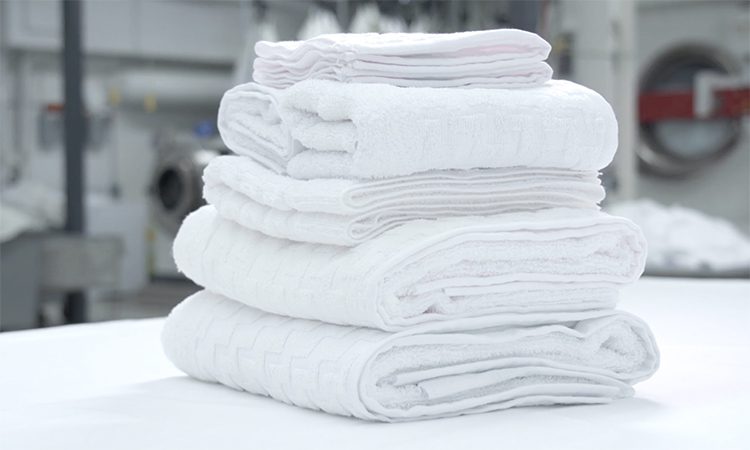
(410, 229)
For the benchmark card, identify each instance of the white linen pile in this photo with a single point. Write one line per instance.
(544, 261)
(324, 129)
(435, 370)
(413, 249)
(494, 58)
(349, 211)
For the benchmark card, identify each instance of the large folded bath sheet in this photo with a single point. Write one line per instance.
(435, 370)
(545, 261)
(324, 129)
(497, 58)
(348, 212)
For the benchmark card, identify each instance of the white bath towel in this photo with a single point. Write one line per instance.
(437, 370)
(348, 212)
(550, 260)
(496, 58)
(324, 129)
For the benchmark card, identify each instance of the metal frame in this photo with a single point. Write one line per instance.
(75, 136)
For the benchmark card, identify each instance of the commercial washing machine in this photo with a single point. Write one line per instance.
(694, 99)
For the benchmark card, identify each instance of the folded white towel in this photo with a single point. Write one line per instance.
(436, 370)
(550, 260)
(324, 129)
(348, 212)
(496, 58)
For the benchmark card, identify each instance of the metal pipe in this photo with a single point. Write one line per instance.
(626, 94)
(75, 132)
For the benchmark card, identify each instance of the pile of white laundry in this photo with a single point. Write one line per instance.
(685, 241)
(410, 229)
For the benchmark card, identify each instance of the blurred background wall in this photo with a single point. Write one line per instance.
(676, 72)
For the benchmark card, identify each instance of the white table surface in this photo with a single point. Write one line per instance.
(108, 386)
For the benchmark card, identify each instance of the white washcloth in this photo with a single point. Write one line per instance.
(496, 58)
(325, 129)
(550, 260)
(348, 212)
(442, 369)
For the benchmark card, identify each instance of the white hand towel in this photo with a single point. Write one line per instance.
(324, 129)
(349, 212)
(444, 369)
(495, 58)
(550, 260)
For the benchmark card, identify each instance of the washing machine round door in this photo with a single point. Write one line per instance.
(677, 141)
(176, 189)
